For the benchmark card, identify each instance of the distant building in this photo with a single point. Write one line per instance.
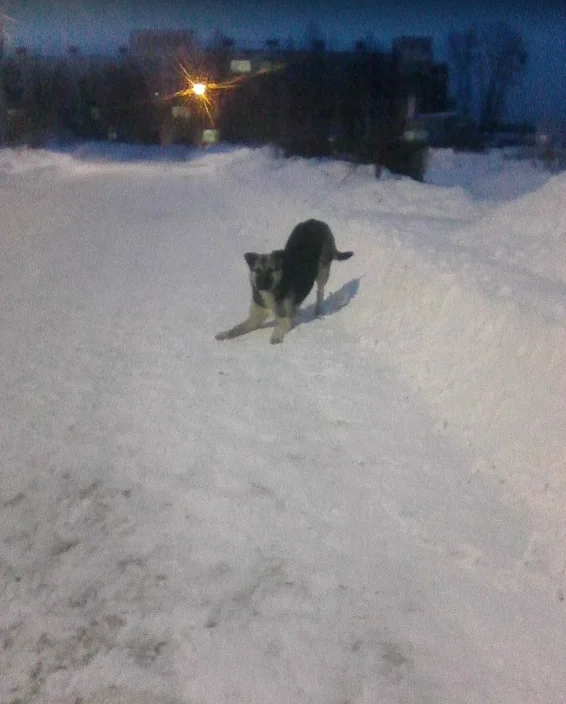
(253, 61)
(160, 42)
(413, 53)
(159, 52)
(283, 93)
(426, 81)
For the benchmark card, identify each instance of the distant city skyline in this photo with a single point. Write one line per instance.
(102, 26)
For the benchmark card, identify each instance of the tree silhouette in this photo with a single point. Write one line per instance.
(462, 50)
(486, 64)
(502, 59)
(3, 110)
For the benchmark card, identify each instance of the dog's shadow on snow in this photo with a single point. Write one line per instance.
(332, 304)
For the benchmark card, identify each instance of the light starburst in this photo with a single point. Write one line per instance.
(198, 88)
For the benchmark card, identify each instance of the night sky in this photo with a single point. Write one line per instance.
(50, 26)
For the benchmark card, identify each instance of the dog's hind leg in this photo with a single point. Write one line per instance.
(254, 321)
(321, 280)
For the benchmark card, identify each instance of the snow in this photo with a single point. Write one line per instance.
(497, 176)
(372, 512)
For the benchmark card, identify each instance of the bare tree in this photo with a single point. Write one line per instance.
(502, 59)
(462, 50)
(314, 40)
(3, 112)
(486, 63)
(4, 19)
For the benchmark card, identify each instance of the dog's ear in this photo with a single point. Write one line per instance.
(277, 258)
(251, 258)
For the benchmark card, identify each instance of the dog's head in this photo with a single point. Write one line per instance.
(265, 269)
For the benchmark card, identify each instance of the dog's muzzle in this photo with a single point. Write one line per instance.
(264, 280)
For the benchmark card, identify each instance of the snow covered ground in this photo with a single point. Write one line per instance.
(373, 512)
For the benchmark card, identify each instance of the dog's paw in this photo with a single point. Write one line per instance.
(276, 339)
(221, 336)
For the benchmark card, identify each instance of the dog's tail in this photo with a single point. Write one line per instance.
(341, 256)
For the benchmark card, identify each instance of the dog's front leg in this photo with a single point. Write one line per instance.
(284, 318)
(254, 321)
(281, 329)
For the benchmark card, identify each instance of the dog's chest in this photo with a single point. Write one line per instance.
(268, 299)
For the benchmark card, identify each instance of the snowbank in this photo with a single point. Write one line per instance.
(494, 176)
(478, 328)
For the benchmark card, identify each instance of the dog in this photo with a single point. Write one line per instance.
(283, 279)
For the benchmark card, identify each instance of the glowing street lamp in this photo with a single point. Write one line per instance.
(202, 92)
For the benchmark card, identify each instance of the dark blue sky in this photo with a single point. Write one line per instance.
(102, 25)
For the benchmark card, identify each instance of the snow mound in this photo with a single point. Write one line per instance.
(478, 328)
(528, 234)
(493, 176)
(21, 161)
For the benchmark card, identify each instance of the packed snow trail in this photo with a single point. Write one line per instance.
(194, 522)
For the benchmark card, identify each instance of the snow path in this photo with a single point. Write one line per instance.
(233, 522)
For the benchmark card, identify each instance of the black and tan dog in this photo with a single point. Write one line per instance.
(283, 279)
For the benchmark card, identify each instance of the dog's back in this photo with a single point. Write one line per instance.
(301, 258)
(310, 246)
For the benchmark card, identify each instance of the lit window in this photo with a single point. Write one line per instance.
(240, 66)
